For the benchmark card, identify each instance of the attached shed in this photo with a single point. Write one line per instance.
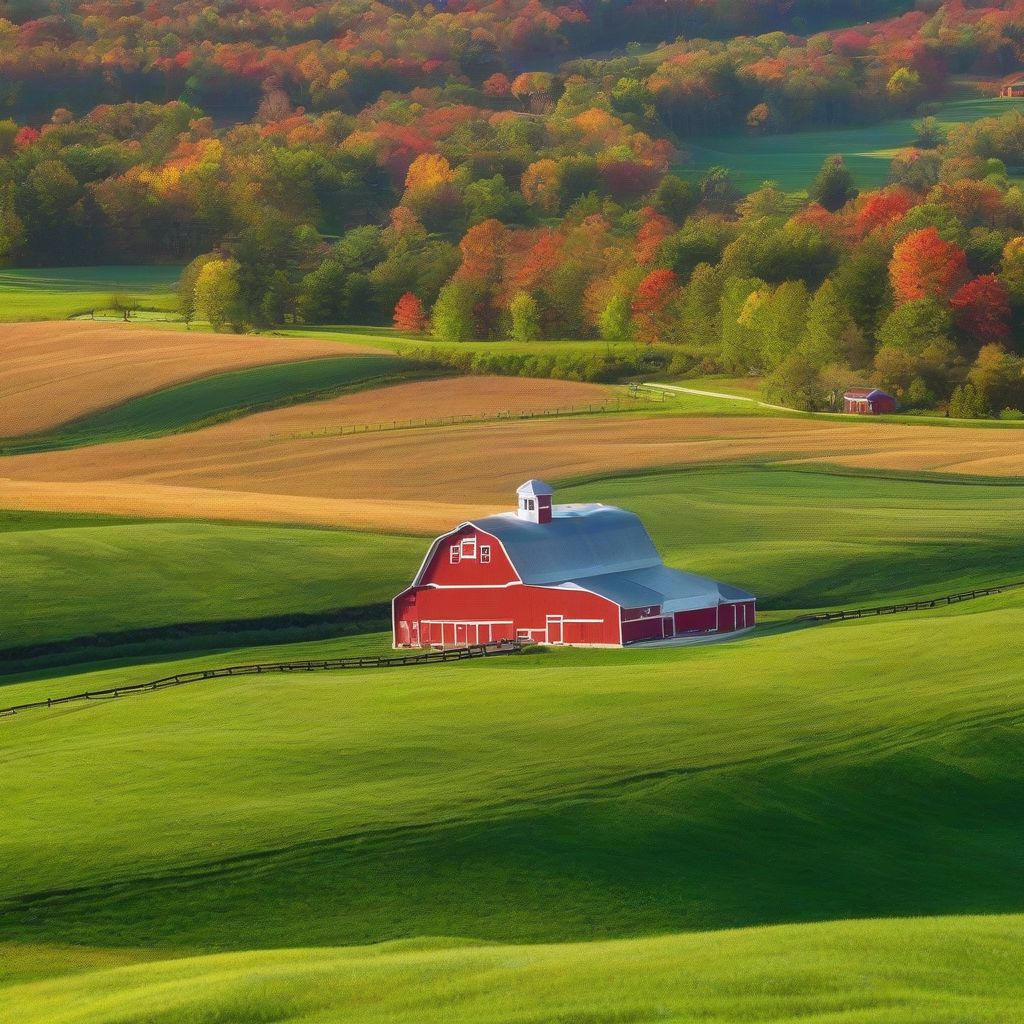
(868, 402)
(582, 575)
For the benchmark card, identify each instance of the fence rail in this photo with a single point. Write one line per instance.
(431, 657)
(905, 606)
(618, 405)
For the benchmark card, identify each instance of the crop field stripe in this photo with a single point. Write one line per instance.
(220, 397)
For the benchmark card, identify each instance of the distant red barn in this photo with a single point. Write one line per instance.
(585, 575)
(868, 401)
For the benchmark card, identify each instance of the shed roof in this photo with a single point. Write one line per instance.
(866, 393)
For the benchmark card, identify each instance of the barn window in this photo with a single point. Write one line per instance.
(485, 553)
(455, 554)
(469, 547)
(531, 505)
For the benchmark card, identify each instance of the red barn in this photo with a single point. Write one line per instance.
(868, 401)
(586, 575)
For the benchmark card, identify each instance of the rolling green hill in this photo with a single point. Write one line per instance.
(56, 293)
(942, 971)
(869, 769)
(70, 577)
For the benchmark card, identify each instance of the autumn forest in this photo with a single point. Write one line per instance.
(511, 169)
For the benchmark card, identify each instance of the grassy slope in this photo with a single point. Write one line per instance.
(804, 540)
(59, 292)
(765, 529)
(792, 160)
(844, 771)
(67, 576)
(959, 970)
(219, 397)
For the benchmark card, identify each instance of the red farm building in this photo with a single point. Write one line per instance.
(585, 575)
(868, 401)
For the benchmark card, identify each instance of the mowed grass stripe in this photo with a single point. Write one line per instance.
(55, 293)
(217, 398)
(943, 971)
(558, 796)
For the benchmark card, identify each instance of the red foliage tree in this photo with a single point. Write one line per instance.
(981, 309)
(653, 231)
(410, 316)
(924, 265)
(651, 318)
(882, 209)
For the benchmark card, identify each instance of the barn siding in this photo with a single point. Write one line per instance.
(506, 612)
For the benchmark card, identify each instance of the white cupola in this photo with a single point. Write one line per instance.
(535, 501)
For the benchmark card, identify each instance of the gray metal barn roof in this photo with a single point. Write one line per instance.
(605, 550)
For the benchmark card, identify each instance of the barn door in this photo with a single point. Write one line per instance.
(414, 633)
(668, 628)
(554, 629)
(461, 634)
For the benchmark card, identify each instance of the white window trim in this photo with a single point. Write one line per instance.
(455, 554)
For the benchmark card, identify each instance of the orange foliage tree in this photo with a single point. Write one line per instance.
(925, 265)
(410, 316)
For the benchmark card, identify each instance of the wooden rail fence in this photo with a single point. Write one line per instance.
(905, 606)
(447, 421)
(431, 657)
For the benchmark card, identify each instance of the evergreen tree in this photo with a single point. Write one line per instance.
(833, 187)
(967, 403)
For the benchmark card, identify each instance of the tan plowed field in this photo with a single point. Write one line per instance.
(425, 478)
(54, 372)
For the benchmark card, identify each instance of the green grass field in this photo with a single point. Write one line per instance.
(792, 160)
(68, 577)
(864, 972)
(799, 539)
(836, 772)
(56, 293)
(223, 396)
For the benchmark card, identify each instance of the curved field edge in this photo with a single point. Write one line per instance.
(217, 398)
(946, 969)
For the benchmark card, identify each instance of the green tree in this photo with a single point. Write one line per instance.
(741, 345)
(913, 326)
(187, 286)
(827, 322)
(12, 229)
(452, 319)
(525, 317)
(217, 294)
(862, 283)
(833, 187)
(700, 310)
(616, 321)
(795, 383)
(778, 318)
(675, 198)
(967, 403)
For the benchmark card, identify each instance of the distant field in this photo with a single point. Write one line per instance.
(56, 293)
(903, 972)
(793, 160)
(284, 465)
(102, 366)
(856, 770)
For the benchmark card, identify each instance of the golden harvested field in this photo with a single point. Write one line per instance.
(420, 480)
(54, 372)
(425, 400)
